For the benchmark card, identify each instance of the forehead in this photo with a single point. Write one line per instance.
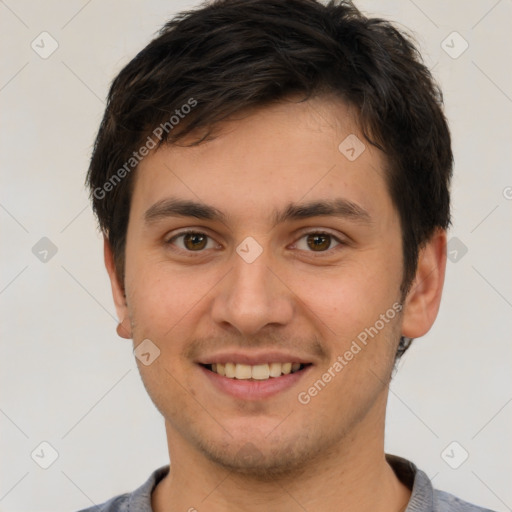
(262, 160)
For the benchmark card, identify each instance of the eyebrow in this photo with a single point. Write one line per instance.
(181, 208)
(342, 208)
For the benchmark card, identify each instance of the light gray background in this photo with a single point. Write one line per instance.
(69, 380)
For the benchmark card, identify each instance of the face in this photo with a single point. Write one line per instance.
(265, 267)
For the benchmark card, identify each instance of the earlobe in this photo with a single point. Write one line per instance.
(424, 297)
(124, 327)
(123, 330)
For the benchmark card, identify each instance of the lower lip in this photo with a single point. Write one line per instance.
(254, 389)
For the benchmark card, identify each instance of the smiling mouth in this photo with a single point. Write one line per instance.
(264, 371)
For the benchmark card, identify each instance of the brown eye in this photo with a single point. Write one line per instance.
(319, 242)
(195, 241)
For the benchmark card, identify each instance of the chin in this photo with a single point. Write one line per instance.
(250, 462)
(262, 460)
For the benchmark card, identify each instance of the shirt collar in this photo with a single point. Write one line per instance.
(422, 492)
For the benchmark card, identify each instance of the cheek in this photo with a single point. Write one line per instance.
(350, 298)
(164, 299)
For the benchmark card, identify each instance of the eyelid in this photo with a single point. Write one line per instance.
(171, 237)
(186, 230)
(340, 237)
(341, 240)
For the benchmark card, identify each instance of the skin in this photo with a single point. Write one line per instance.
(274, 453)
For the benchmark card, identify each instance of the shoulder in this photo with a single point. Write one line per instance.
(138, 500)
(424, 498)
(116, 504)
(447, 502)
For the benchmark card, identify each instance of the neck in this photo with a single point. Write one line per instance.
(353, 475)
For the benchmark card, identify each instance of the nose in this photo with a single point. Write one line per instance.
(252, 297)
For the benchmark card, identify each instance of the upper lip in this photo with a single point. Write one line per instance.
(253, 358)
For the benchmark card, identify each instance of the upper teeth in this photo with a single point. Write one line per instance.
(257, 371)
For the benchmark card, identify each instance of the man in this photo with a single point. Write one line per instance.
(272, 182)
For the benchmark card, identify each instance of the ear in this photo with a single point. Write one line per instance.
(424, 297)
(124, 327)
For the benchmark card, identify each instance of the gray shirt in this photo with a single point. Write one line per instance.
(424, 497)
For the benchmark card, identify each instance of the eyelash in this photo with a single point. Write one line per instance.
(184, 233)
(321, 233)
(334, 239)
